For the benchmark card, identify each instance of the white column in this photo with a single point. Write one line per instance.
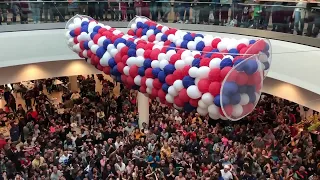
(73, 83)
(143, 109)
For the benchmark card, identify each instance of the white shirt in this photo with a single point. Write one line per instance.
(121, 168)
(226, 175)
(178, 118)
(118, 144)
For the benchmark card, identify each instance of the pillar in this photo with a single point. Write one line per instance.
(143, 109)
(73, 83)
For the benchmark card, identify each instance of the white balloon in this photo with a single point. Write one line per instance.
(169, 98)
(85, 20)
(150, 32)
(90, 43)
(263, 57)
(193, 72)
(131, 61)
(222, 46)
(185, 54)
(76, 48)
(195, 53)
(191, 45)
(223, 117)
(193, 92)
(214, 116)
(149, 82)
(139, 61)
(215, 63)
(244, 41)
(178, 42)
(188, 60)
(137, 80)
(171, 37)
(89, 61)
(203, 72)
(133, 26)
(155, 64)
(105, 59)
(110, 47)
(70, 42)
(244, 99)
(138, 19)
(68, 36)
(237, 111)
(101, 39)
(91, 26)
(197, 39)
(162, 56)
(126, 70)
(144, 37)
(213, 109)
(149, 90)
(172, 91)
(178, 33)
(225, 40)
(178, 85)
(208, 40)
(116, 32)
(207, 98)
(85, 53)
(158, 36)
(177, 107)
(196, 81)
(179, 64)
(227, 56)
(94, 48)
(202, 111)
(162, 64)
(201, 104)
(71, 26)
(140, 52)
(170, 53)
(113, 52)
(164, 29)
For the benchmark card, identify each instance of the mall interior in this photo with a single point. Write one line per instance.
(215, 90)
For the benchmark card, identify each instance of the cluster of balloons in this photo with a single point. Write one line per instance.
(221, 77)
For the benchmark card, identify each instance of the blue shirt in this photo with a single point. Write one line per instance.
(155, 160)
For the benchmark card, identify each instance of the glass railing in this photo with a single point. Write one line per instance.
(296, 17)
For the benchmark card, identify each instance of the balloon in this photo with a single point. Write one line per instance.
(237, 111)
(178, 85)
(193, 102)
(169, 69)
(225, 71)
(203, 72)
(201, 104)
(242, 78)
(170, 79)
(165, 87)
(193, 72)
(250, 66)
(161, 94)
(157, 84)
(213, 109)
(179, 64)
(229, 88)
(169, 98)
(188, 81)
(162, 76)
(214, 88)
(244, 99)
(149, 82)
(202, 111)
(193, 92)
(203, 85)
(183, 95)
(155, 71)
(226, 62)
(214, 75)
(172, 91)
(137, 80)
(133, 71)
(178, 101)
(188, 107)
(235, 99)
(207, 98)
(214, 116)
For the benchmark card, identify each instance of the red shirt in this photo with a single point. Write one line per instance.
(3, 142)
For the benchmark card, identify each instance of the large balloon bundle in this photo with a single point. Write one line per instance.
(221, 77)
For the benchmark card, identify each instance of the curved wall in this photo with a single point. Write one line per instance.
(45, 54)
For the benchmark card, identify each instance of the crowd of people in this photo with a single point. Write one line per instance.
(95, 135)
(287, 17)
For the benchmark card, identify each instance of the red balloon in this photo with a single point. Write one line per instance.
(81, 54)
(101, 30)
(236, 58)
(75, 40)
(242, 78)
(178, 74)
(207, 49)
(197, 56)
(99, 67)
(205, 62)
(232, 76)
(185, 70)
(140, 45)
(133, 71)
(130, 32)
(170, 79)
(215, 42)
(118, 57)
(106, 69)
(163, 50)
(194, 102)
(177, 101)
(130, 81)
(203, 85)
(156, 83)
(161, 94)
(154, 54)
(123, 78)
(148, 73)
(143, 81)
(120, 67)
(152, 38)
(224, 72)
(174, 58)
(243, 50)
(149, 46)
(124, 50)
(217, 55)
(143, 89)
(215, 88)
(167, 43)
(139, 32)
(96, 38)
(255, 78)
(240, 46)
(124, 59)
(77, 31)
(154, 92)
(89, 53)
(248, 108)
(214, 75)
(228, 110)
(183, 95)
(147, 53)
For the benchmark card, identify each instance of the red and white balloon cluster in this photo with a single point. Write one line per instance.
(221, 77)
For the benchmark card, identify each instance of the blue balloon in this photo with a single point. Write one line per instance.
(155, 71)
(252, 41)
(145, 26)
(84, 29)
(169, 69)
(216, 100)
(115, 71)
(162, 76)
(112, 62)
(243, 89)
(188, 37)
(266, 65)
(252, 97)
(235, 99)
(132, 52)
(172, 45)
(72, 34)
(251, 66)
(119, 40)
(226, 62)
(93, 34)
(184, 44)
(86, 45)
(165, 87)
(230, 88)
(196, 63)
(106, 43)
(96, 28)
(164, 37)
(156, 31)
(188, 107)
(118, 78)
(141, 71)
(133, 46)
(266, 48)
(129, 43)
(200, 45)
(199, 35)
(170, 48)
(144, 31)
(225, 100)
(187, 81)
(208, 55)
(84, 23)
(153, 27)
(147, 63)
(100, 52)
(139, 25)
(233, 52)
(215, 50)
(267, 53)
(237, 62)
(251, 89)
